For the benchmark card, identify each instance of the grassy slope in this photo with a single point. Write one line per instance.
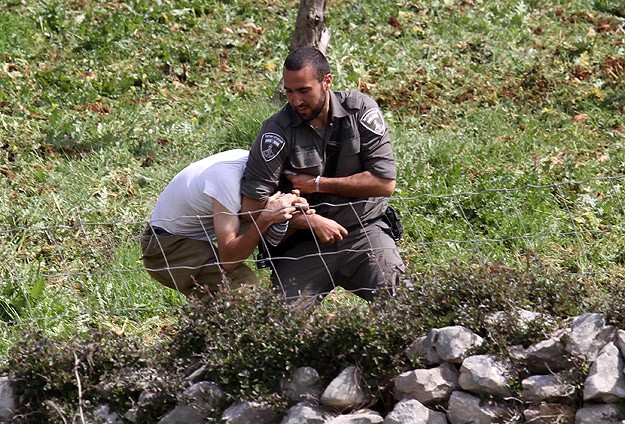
(102, 102)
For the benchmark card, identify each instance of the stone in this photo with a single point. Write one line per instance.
(447, 344)
(345, 391)
(196, 404)
(605, 381)
(363, 416)
(8, 401)
(538, 388)
(303, 384)
(588, 335)
(250, 412)
(427, 385)
(549, 413)
(600, 413)
(411, 411)
(547, 356)
(465, 408)
(106, 416)
(306, 412)
(520, 318)
(424, 347)
(485, 374)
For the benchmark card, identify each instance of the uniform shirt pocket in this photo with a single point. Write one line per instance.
(306, 159)
(349, 159)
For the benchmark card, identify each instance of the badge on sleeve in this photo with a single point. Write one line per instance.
(270, 145)
(373, 121)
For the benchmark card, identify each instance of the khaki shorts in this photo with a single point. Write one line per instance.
(184, 264)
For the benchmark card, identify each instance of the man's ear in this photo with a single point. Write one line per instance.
(327, 81)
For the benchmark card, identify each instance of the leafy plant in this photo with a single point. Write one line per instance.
(19, 298)
(57, 379)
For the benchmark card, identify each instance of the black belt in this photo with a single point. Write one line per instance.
(157, 231)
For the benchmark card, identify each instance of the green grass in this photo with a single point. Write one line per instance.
(506, 116)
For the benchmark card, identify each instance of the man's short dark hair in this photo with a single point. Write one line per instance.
(305, 56)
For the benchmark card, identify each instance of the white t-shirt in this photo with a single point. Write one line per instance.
(185, 207)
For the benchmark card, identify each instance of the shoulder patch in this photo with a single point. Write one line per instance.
(270, 145)
(373, 121)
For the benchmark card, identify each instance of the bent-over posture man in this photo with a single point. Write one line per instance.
(335, 148)
(199, 206)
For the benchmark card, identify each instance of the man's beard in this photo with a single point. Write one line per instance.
(316, 111)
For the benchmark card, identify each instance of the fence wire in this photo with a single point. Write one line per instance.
(81, 270)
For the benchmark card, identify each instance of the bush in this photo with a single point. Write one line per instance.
(466, 295)
(62, 378)
(248, 341)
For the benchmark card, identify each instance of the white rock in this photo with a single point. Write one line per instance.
(485, 374)
(345, 391)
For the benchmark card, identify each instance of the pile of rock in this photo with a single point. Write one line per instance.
(575, 376)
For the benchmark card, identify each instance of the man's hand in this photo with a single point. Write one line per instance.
(326, 230)
(281, 207)
(303, 183)
(301, 203)
(234, 247)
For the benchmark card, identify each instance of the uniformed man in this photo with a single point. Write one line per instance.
(335, 148)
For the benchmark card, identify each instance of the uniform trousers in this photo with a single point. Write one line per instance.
(366, 262)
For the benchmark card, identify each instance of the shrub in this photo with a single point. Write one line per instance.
(248, 341)
(62, 378)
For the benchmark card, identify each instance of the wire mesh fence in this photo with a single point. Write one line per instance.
(83, 273)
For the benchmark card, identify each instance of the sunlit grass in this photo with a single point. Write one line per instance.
(496, 110)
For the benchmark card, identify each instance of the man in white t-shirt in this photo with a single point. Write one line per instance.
(199, 206)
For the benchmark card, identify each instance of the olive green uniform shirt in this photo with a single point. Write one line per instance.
(287, 143)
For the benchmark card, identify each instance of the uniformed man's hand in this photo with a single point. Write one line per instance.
(301, 203)
(327, 230)
(303, 182)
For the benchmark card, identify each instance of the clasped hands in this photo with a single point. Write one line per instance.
(284, 206)
(326, 229)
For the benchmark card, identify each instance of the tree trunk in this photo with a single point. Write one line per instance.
(309, 31)
(309, 26)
